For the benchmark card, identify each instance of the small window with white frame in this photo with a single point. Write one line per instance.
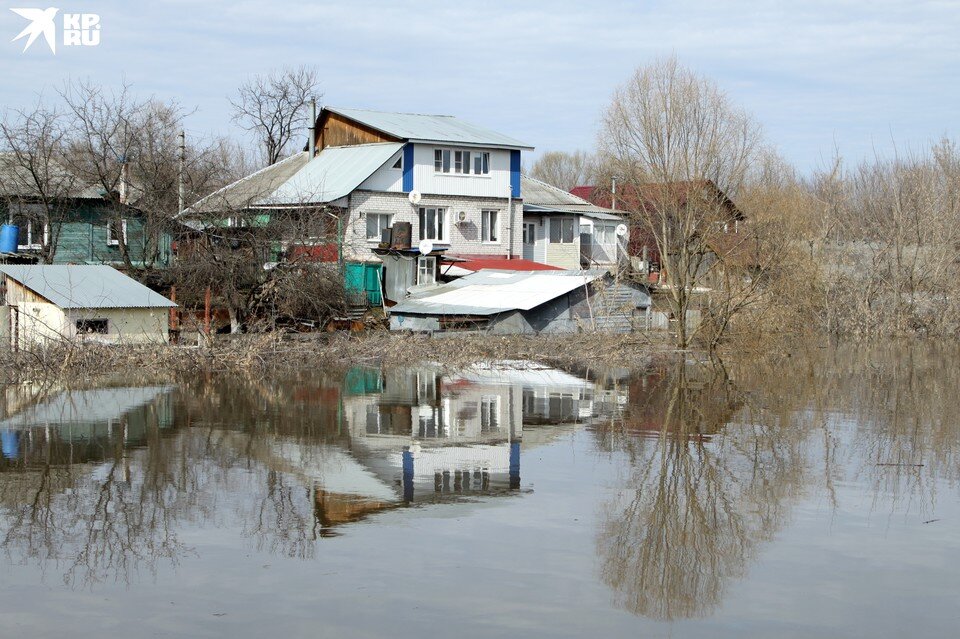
(561, 231)
(426, 269)
(490, 226)
(399, 163)
(116, 230)
(30, 237)
(376, 223)
(433, 223)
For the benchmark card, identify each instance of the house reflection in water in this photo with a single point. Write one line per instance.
(426, 435)
(75, 427)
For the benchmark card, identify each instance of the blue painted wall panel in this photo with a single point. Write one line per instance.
(515, 173)
(408, 168)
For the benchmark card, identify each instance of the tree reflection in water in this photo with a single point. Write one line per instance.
(713, 469)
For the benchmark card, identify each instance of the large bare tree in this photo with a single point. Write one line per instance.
(564, 170)
(273, 107)
(671, 135)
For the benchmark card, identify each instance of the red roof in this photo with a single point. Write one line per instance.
(503, 264)
(583, 192)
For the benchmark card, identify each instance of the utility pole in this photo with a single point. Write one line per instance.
(180, 177)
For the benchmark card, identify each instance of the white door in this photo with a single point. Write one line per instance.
(529, 239)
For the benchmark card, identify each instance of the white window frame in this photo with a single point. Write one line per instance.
(560, 221)
(112, 241)
(490, 232)
(425, 264)
(398, 165)
(31, 245)
(489, 413)
(529, 233)
(366, 227)
(443, 223)
(453, 161)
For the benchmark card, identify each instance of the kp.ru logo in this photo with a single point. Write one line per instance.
(79, 29)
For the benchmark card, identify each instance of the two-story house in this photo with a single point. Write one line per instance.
(455, 183)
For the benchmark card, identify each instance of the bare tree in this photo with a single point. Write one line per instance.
(33, 177)
(564, 170)
(676, 141)
(273, 107)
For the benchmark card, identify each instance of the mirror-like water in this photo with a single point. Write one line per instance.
(818, 497)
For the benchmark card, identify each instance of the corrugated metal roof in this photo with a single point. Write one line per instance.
(333, 174)
(417, 127)
(93, 286)
(245, 191)
(540, 197)
(489, 292)
(15, 180)
(85, 406)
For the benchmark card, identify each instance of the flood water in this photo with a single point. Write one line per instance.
(815, 497)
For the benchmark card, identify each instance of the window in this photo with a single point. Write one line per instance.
(115, 230)
(92, 327)
(489, 413)
(28, 238)
(529, 233)
(461, 161)
(433, 223)
(399, 163)
(491, 231)
(441, 160)
(604, 234)
(376, 223)
(426, 270)
(561, 231)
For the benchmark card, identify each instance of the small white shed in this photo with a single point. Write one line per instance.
(84, 303)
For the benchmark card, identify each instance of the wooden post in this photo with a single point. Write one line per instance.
(206, 313)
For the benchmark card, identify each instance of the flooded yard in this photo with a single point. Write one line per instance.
(815, 497)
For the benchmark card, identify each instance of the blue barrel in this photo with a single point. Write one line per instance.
(8, 238)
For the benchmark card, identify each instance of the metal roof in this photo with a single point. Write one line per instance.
(17, 181)
(417, 127)
(87, 406)
(490, 292)
(244, 192)
(93, 286)
(540, 197)
(333, 174)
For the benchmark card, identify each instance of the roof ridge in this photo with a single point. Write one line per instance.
(426, 115)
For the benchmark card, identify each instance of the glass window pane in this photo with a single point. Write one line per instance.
(373, 230)
(446, 161)
(437, 160)
(486, 163)
(466, 161)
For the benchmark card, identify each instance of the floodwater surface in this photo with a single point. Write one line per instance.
(814, 498)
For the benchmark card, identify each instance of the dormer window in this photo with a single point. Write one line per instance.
(461, 161)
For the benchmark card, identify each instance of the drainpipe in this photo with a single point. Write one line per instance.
(312, 145)
(510, 222)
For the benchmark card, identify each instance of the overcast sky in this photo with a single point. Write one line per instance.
(818, 75)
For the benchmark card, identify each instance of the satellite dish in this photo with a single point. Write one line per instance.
(426, 247)
(621, 230)
(415, 197)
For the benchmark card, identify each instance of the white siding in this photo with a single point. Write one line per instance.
(385, 178)
(428, 181)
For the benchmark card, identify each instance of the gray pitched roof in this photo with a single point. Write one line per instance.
(16, 181)
(540, 197)
(417, 127)
(83, 286)
(243, 193)
(333, 174)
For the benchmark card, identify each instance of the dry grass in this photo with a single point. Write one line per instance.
(273, 353)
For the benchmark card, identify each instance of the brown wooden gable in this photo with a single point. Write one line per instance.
(334, 129)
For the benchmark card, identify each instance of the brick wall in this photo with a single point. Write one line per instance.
(464, 236)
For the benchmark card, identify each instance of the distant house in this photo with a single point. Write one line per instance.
(44, 304)
(724, 240)
(567, 231)
(82, 225)
(454, 183)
